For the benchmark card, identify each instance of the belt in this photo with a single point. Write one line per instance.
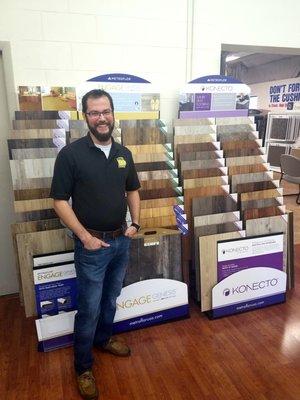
(102, 235)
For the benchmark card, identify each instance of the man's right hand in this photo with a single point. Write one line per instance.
(93, 243)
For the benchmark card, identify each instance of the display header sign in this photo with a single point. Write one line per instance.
(214, 96)
(250, 274)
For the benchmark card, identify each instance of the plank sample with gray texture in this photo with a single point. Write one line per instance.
(214, 204)
(273, 201)
(248, 178)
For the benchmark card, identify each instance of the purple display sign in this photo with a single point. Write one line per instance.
(202, 101)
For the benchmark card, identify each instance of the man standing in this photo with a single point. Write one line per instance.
(100, 177)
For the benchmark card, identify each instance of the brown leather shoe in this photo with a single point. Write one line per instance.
(116, 347)
(87, 385)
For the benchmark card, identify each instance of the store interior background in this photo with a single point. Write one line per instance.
(65, 42)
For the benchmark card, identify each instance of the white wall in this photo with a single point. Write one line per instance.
(68, 41)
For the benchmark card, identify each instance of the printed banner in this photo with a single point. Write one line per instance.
(250, 274)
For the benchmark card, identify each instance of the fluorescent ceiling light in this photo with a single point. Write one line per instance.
(232, 58)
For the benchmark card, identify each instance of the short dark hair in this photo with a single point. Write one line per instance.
(95, 94)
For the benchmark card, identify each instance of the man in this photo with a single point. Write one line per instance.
(100, 177)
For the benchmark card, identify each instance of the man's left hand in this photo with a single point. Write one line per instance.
(130, 231)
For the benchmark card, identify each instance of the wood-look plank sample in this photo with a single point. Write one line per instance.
(46, 115)
(158, 222)
(29, 143)
(203, 172)
(273, 201)
(261, 194)
(207, 230)
(194, 130)
(33, 183)
(208, 264)
(158, 183)
(151, 157)
(44, 152)
(160, 192)
(241, 144)
(263, 212)
(155, 166)
(142, 136)
(30, 244)
(247, 178)
(35, 215)
(161, 202)
(197, 164)
(41, 124)
(31, 194)
(157, 212)
(194, 122)
(264, 226)
(214, 204)
(180, 139)
(37, 133)
(26, 227)
(234, 120)
(256, 186)
(137, 124)
(236, 128)
(204, 146)
(31, 168)
(223, 137)
(233, 161)
(157, 175)
(212, 219)
(200, 155)
(244, 152)
(33, 205)
(148, 148)
(208, 181)
(248, 169)
(160, 260)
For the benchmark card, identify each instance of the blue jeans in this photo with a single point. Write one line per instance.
(100, 275)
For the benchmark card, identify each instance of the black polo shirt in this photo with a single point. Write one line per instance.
(96, 184)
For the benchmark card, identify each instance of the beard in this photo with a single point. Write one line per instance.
(102, 137)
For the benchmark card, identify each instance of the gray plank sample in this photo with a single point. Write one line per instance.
(273, 201)
(236, 128)
(214, 204)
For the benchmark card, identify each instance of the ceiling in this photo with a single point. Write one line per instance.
(255, 59)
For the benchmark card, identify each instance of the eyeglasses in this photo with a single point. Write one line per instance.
(98, 114)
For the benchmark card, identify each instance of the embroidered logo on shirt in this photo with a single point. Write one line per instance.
(121, 162)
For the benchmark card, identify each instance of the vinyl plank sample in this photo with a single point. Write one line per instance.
(142, 136)
(261, 194)
(155, 166)
(46, 115)
(31, 194)
(279, 128)
(264, 226)
(197, 164)
(248, 160)
(247, 178)
(33, 205)
(200, 155)
(181, 139)
(208, 264)
(203, 172)
(236, 128)
(41, 124)
(35, 215)
(234, 120)
(154, 255)
(263, 212)
(37, 133)
(156, 212)
(158, 222)
(212, 219)
(273, 201)
(157, 175)
(30, 244)
(34, 183)
(256, 186)
(204, 146)
(208, 181)
(148, 148)
(241, 144)
(214, 204)
(151, 157)
(161, 202)
(248, 169)
(158, 183)
(140, 123)
(160, 192)
(194, 130)
(32, 168)
(44, 152)
(223, 137)
(244, 152)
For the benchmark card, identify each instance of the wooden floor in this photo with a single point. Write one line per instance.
(255, 355)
